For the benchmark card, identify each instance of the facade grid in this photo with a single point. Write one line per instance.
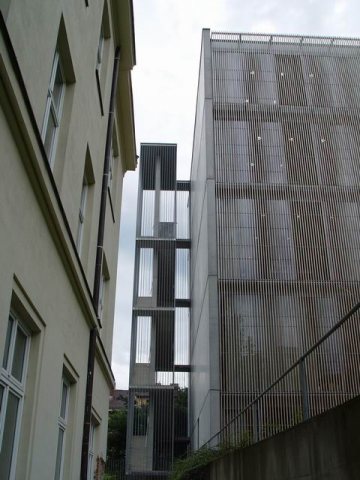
(275, 216)
(159, 365)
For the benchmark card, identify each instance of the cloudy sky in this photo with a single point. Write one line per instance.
(168, 36)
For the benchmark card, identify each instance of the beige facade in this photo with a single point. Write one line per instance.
(56, 70)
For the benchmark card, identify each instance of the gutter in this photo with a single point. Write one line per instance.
(94, 333)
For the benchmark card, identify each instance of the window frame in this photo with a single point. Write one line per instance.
(82, 212)
(53, 110)
(91, 451)
(14, 386)
(62, 424)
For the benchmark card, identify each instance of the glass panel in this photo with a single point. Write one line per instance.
(59, 454)
(182, 214)
(145, 272)
(58, 88)
(182, 273)
(181, 336)
(50, 134)
(7, 447)
(167, 205)
(141, 405)
(64, 395)
(147, 213)
(19, 355)
(143, 340)
(1, 396)
(7, 342)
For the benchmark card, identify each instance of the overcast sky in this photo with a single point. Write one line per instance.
(167, 37)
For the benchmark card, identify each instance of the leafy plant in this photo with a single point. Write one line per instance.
(194, 466)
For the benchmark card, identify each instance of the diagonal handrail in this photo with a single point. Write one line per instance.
(299, 362)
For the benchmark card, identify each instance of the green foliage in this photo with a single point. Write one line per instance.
(194, 466)
(117, 434)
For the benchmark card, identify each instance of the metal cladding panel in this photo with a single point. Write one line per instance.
(159, 364)
(286, 116)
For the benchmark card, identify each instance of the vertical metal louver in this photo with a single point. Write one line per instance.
(287, 172)
(159, 364)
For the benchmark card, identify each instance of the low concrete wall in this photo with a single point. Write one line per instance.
(326, 447)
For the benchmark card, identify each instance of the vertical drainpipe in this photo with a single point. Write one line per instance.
(98, 270)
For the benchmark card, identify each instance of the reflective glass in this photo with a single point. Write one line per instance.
(7, 342)
(7, 446)
(19, 355)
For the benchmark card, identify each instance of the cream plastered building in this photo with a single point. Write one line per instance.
(66, 140)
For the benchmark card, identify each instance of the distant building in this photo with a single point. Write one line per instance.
(118, 400)
(275, 222)
(157, 430)
(63, 157)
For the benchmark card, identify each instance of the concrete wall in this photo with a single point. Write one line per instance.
(323, 448)
(204, 337)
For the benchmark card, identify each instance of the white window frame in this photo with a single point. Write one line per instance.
(52, 109)
(102, 289)
(91, 451)
(82, 212)
(62, 425)
(14, 386)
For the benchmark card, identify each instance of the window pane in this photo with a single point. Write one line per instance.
(59, 454)
(167, 205)
(143, 340)
(8, 436)
(145, 272)
(58, 88)
(50, 134)
(19, 355)
(1, 396)
(141, 405)
(64, 395)
(7, 342)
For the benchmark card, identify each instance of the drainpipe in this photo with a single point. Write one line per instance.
(98, 271)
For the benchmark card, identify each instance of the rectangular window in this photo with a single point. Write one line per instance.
(143, 339)
(182, 273)
(62, 424)
(145, 272)
(101, 296)
(90, 471)
(12, 391)
(141, 407)
(147, 213)
(82, 211)
(53, 108)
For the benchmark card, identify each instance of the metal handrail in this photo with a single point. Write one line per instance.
(299, 362)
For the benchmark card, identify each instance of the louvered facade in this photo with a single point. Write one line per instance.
(275, 220)
(159, 364)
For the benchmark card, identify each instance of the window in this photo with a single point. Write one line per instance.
(102, 288)
(82, 210)
(53, 108)
(113, 167)
(141, 407)
(62, 424)
(85, 209)
(90, 470)
(12, 391)
(102, 55)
